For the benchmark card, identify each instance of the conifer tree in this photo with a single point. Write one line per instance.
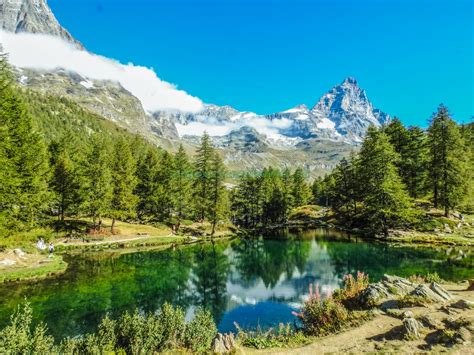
(386, 202)
(64, 184)
(202, 168)
(181, 185)
(124, 181)
(164, 196)
(447, 161)
(98, 185)
(148, 184)
(301, 192)
(24, 152)
(217, 193)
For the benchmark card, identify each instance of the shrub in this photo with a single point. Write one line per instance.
(20, 337)
(412, 301)
(172, 325)
(351, 290)
(320, 317)
(200, 331)
(428, 278)
(284, 336)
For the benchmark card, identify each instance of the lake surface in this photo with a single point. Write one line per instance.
(251, 282)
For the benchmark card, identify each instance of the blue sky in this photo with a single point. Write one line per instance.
(266, 56)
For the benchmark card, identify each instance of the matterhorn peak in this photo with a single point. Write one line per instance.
(350, 80)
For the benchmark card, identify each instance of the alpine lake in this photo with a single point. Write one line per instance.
(253, 282)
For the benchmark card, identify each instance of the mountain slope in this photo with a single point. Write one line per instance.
(315, 138)
(33, 16)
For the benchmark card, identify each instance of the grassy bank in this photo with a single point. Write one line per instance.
(31, 267)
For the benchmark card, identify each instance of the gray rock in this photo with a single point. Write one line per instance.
(464, 335)
(426, 293)
(411, 328)
(33, 16)
(440, 291)
(463, 304)
(223, 343)
(20, 253)
(428, 321)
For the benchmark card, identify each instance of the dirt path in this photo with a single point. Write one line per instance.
(383, 334)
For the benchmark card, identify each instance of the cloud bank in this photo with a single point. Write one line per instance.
(35, 51)
(270, 128)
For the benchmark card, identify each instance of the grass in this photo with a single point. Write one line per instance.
(30, 272)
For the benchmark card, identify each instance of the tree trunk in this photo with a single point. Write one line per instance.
(112, 226)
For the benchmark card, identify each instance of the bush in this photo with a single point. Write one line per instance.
(20, 337)
(200, 331)
(428, 278)
(320, 317)
(284, 336)
(133, 333)
(353, 287)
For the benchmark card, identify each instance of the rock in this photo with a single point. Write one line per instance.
(463, 304)
(373, 295)
(447, 229)
(408, 314)
(471, 285)
(7, 262)
(411, 328)
(223, 343)
(436, 288)
(464, 335)
(20, 253)
(430, 322)
(426, 293)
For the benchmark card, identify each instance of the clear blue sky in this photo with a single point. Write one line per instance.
(267, 56)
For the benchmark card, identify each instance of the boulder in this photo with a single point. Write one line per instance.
(7, 262)
(20, 253)
(411, 328)
(464, 335)
(440, 291)
(426, 293)
(463, 304)
(428, 321)
(223, 343)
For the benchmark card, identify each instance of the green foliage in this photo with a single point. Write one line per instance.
(200, 332)
(448, 161)
(412, 301)
(320, 317)
(351, 290)
(284, 336)
(21, 337)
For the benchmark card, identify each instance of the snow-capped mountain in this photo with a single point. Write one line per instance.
(344, 114)
(33, 16)
(316, 137)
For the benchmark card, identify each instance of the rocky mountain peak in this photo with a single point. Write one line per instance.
(32, 16)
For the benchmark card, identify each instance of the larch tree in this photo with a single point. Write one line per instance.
(181, 185)
(447, 161)
(202, 167)
(124, 182)
(98, 186)
(385, 201)
(218, 206)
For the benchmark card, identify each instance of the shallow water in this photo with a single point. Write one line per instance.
(251, 282)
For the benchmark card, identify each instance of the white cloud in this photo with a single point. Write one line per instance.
(35, 51)
(214, 127)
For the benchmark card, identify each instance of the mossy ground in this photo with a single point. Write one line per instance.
(32, 267)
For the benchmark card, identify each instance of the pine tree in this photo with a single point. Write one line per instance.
(447, 163)
(301, 192)
(24, 153)
(124, 181)
(217, 193)
(64, 184)
(164, 196)
(148, 184)
(346, 188)
(181, 185)
(203, 158)
(385, 200)
(98, 186)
